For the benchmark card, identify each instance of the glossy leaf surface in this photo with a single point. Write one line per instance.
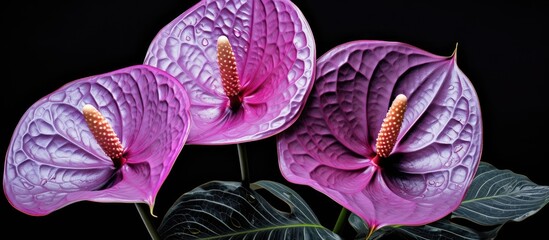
(227, 210)
(499, 196)
(494, 198)
(53, 159)
(332, 146)
(442, 229)
(275, 57)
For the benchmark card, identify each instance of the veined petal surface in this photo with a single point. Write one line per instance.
(275, 56)
(332, 146)
(54, 160)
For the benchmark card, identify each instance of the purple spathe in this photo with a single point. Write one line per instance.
(332, 146)
(275, 56)
(53, 159)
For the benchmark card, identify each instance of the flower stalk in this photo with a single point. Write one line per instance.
(340, 220)
(243, 159)
(145, 218)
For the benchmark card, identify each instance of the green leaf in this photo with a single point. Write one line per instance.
(440, 230)
(493, 198)
(446, 229)
(227, 210)
(498, 196)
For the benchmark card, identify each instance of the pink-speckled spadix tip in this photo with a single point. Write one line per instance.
(227, 68)
(103, 133)
(390, 127)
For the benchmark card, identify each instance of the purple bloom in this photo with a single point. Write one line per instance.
(413, 170)
(252, 87)
(54, 158)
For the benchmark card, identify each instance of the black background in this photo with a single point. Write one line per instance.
(502, 48)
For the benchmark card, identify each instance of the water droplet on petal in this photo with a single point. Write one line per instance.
(28, 185)
(431, 182)
(236, 32)
(458, 148)
(205, 42)
(188, 38)
(450, 87)
(190, 21)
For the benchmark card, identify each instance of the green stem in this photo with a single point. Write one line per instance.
(372, 230)
(243, 158)
(341, 219)
(145, 218)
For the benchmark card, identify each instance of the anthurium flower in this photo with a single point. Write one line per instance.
(107, 138)
(391, 132)
(248, 67)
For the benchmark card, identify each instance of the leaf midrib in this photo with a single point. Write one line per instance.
(511, 194)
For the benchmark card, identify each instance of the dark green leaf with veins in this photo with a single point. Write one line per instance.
(498, 196)
(227, 210)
